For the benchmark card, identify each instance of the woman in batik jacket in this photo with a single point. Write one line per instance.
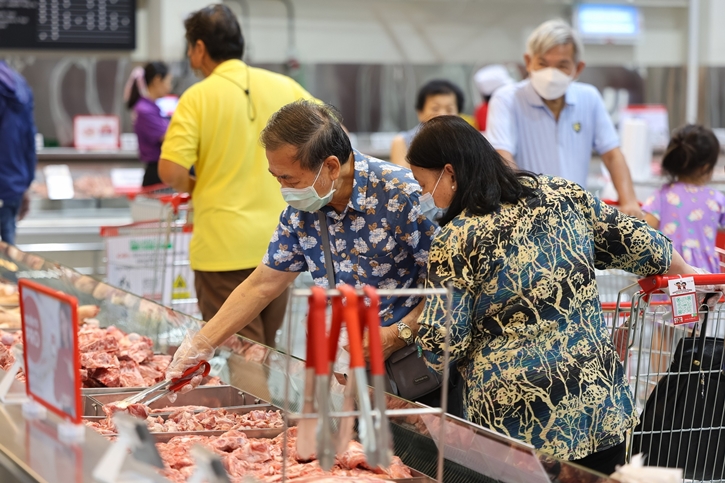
(528, 334)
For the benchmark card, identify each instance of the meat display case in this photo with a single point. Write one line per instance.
(31, 452)
(67, 230)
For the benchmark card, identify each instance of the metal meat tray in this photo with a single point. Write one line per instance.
(163, 437)
(417, 477)
(229, 409)
(209, 396)
(251, 433)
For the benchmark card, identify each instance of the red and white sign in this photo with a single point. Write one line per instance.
(50, 340)
(97, 132)
(683, 297)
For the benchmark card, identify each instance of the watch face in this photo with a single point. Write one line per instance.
(406, 333)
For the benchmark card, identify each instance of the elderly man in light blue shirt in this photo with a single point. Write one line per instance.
(550, 124)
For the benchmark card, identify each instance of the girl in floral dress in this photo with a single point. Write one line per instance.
(686, 210)
(689, 213)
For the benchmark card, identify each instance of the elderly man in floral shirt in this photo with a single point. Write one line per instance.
(377, 233)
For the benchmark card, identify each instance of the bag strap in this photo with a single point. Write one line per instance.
(329, 266)
(703, 331)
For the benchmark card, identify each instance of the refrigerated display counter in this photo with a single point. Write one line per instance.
(253, 378)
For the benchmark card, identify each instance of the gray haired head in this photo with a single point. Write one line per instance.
(551, 34)
(313, 128)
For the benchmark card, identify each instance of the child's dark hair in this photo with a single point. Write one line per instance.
(151, 70)
(693, 150)
(437, 87)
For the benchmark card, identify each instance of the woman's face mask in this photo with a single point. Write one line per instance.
(428, 206)
(307, 199)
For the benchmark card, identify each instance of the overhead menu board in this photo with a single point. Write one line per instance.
(68, 24)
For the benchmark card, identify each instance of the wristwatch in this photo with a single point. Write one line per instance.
(405, 333)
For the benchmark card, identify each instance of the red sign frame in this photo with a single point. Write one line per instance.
(23, 285)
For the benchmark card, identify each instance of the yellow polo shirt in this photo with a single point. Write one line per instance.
(216, 128)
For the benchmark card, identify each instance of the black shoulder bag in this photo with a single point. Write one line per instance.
(683, 423)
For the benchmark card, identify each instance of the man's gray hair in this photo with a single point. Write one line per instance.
(552, 33)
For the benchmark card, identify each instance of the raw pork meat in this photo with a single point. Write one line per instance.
(195, 418)
(110, 377)
(109, 358)
(245, 457)
(130, 375)
(99, 360)
(137, 410)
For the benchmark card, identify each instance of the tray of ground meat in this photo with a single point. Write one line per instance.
(256, 421)
(262, 459)
(206, 396)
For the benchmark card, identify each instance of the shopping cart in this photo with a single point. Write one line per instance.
(147, 203)
(676, 375)
(150, 258)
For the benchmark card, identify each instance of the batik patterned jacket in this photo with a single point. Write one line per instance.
(528, 332)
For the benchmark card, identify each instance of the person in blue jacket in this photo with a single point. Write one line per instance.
(17, 149)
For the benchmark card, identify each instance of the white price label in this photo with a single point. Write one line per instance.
(684, 300)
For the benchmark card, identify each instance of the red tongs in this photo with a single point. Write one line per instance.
(317, 376)
(357, 383)
(147, 396)
(370, 316)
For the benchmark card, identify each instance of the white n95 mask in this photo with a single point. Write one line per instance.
(550, 83)
(307, 199)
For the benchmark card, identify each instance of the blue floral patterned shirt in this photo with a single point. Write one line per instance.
(380, 239)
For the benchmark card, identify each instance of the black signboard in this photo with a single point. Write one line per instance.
(68, 24)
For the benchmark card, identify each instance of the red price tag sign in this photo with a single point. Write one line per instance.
(32, 330)
(51, 356)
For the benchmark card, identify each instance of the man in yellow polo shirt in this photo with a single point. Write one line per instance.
(216, 128)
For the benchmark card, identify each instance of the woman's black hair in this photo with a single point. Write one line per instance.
(217, 27)
(150, 72)
(693, 150)
(438, 87)
(483, 178)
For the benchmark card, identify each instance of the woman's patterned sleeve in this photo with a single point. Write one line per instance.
(626, 243)
(450, 261)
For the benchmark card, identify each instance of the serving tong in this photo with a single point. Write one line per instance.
(373, 429)
(148, 396)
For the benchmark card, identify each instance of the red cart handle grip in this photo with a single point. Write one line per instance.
(650, 284)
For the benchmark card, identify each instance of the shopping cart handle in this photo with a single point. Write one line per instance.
(611, 202)
(175, 200)
(650, 284)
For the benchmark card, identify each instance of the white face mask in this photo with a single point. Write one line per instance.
(428, 207)
(307, 199)
(550, 83)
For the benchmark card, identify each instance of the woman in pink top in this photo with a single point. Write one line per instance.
(686, 210)
(143, 88)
